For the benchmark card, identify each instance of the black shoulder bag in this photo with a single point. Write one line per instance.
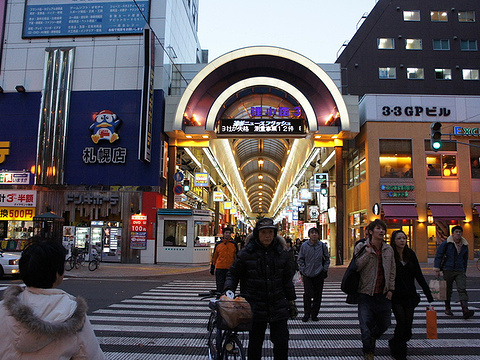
(351, 280)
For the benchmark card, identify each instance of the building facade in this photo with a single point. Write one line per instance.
(414, 64)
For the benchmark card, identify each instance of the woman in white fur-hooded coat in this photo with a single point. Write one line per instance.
(42, 322)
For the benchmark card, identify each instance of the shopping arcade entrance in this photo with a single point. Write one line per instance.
(227, 107)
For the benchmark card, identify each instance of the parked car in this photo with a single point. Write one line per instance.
(9, 263)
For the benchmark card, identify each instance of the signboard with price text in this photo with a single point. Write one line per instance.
(138, 232)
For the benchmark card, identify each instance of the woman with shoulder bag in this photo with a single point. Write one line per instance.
(405, 297)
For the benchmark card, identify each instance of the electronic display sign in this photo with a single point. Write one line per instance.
(51, 18)
(261, 126)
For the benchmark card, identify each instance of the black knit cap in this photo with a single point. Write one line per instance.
(265, 223)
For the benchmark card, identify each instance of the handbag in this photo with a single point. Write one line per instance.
(431, 323)
(438, 289)
(234, 312)
(324, 273)
(351, 280)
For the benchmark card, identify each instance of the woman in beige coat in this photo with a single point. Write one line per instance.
(42, 322)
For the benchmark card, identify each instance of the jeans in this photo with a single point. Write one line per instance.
(313, 287)
(220, 277)
(460, 279)
(375, 316)
(278, 335)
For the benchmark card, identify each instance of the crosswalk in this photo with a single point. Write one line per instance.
(169, 322)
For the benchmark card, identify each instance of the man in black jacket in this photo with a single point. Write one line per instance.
(265, 274)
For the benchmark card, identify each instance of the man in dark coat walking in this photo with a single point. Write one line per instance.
(265, 275)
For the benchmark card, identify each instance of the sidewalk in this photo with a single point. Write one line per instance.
(143, 271)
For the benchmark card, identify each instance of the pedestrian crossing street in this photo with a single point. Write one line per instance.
(169, 322)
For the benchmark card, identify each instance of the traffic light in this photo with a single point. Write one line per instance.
(186, 185)
(324, 189)
(436, 136)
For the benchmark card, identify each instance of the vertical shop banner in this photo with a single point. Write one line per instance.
(138, 232)
(146, 111)
(202, 179)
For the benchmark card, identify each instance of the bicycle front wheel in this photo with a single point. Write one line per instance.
(93, 265)
(232, 348)
(69, 263)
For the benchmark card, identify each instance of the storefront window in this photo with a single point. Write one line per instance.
(357, 167)
(442, 165)
(475, 159)
(396, 158)
(202, 234)
(175, 233)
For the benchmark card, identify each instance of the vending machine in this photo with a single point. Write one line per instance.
(82, 237)
(96, 235)
(112, 243)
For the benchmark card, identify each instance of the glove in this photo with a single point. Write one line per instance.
(292, 309)
(212, 269)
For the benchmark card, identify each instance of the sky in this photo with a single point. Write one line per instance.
(314, 28)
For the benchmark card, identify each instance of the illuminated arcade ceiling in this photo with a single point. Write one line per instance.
(260, 161)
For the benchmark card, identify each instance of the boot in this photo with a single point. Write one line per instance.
(466, 313)
(448, 309)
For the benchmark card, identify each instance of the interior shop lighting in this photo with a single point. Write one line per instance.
(195, 160)
(215, 164)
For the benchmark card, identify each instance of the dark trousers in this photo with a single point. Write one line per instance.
(460, 279)
(278, 336)
(313, 289)
(374, 315)
(220, 277)
(403, 329)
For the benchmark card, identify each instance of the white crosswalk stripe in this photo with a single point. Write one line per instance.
(169, 322)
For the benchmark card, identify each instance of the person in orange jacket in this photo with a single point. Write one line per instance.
(223, 257)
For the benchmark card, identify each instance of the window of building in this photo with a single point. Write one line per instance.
(443, 74)
(396, 158)
(175, 233)
(468, 45)
(356, 167)
(475, 158)
(415, 73)
(387, 73)
(385, 43)
(441, 44)
(470, 74)
(438, 15)
(466, 16)
(442, 165)
(413, 44)
(411, 15)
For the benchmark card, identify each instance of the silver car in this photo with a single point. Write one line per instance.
(9, 263)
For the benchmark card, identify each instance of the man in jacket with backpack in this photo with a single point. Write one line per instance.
(452, 259)
(313, 262)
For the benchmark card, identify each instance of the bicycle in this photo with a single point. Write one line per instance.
(94, 263)
(231, 342)
(76, 260)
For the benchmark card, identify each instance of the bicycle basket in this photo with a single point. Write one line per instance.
(234, 314)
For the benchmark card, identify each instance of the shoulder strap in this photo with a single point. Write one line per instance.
(361, 251)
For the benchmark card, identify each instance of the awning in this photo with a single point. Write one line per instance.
(447, 211)
(400, 211)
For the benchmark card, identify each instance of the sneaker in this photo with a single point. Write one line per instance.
(305, 318)
(448, 312)
(315, 318)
